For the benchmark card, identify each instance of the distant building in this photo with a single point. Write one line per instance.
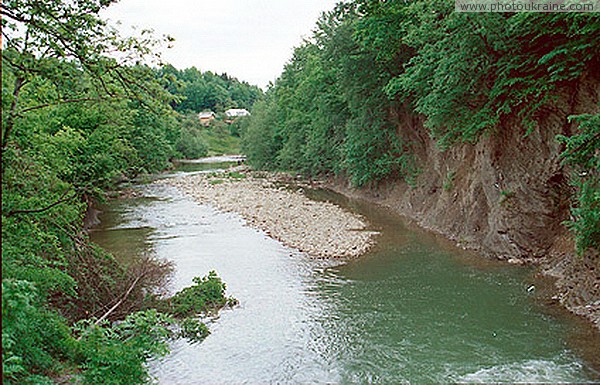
(206, 117)
(236, 113)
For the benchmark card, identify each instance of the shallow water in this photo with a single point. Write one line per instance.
(413, 310)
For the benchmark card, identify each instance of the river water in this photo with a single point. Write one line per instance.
(412, 310)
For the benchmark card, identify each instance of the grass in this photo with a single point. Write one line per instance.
(220, 141)
(505, 197)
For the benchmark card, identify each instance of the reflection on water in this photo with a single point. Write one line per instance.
(413, 310)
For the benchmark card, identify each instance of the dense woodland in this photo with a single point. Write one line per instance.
(84, 109)
(348, 101)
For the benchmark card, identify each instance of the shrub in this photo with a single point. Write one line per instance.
(116, 354)
(208, 293)
(193, 329)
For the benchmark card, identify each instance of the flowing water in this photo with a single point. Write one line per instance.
(413, 310)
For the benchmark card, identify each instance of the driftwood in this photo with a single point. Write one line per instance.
(116, 305)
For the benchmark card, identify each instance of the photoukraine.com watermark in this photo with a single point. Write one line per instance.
(527, 5)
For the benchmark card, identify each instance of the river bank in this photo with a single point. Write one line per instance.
(267, 202)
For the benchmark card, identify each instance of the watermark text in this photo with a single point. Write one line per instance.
(527, 5)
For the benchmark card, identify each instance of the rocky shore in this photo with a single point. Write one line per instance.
(320, 229)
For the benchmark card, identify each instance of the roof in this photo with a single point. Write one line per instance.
(206, 115)
(233, 112)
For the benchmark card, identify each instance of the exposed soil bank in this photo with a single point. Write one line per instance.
(505, 197)
(320, 229)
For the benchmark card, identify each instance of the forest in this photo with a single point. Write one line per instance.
(85, 110)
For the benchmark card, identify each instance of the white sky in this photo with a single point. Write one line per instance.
(248, 39)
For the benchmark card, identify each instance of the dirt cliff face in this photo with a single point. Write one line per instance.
(505, 196)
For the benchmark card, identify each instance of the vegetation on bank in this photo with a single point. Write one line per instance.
(205, 91)
(348, 101)
(77, 121)
(583, 154)
(196, 140)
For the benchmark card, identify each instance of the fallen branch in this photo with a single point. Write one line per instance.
(115, 306)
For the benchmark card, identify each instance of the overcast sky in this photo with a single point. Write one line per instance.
(248, 39)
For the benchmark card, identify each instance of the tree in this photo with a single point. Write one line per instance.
(74, 97)
(61, 44)
(329, 112)
(200, 91)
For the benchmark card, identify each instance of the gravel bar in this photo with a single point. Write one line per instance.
(319, 229)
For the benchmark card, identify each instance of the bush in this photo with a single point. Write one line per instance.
(116, 354)
(193, 329)
(208, 293)
(190, 144)
(34, 340)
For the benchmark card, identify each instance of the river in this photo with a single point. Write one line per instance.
(413, 310)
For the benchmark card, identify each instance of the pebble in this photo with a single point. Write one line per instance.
(320, 229)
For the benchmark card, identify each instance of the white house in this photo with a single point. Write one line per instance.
(237, 112)
(206, 117)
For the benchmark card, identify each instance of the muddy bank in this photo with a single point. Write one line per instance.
(320, 229)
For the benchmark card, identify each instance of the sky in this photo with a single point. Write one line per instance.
(248, 39)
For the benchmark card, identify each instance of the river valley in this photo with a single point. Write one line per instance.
(414, 309)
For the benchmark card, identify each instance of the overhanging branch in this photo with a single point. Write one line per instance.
(59, 102)
(64, 198)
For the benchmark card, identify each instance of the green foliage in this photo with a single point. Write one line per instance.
(193, 92)
(219, 140)
(506, 198)
(193, 329)
(342, 102)
(586, 213)
(582, 149)
(449, 181)
(205, 296)
(582, 152)
(238, 126)
(335, 107)
(327, 113)
(34, 340)
(115, 354)
(196, 91)
(236, 175)
(260, 142)
(75, 122)
(471, 71)
(207, 293)
(191, 143)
